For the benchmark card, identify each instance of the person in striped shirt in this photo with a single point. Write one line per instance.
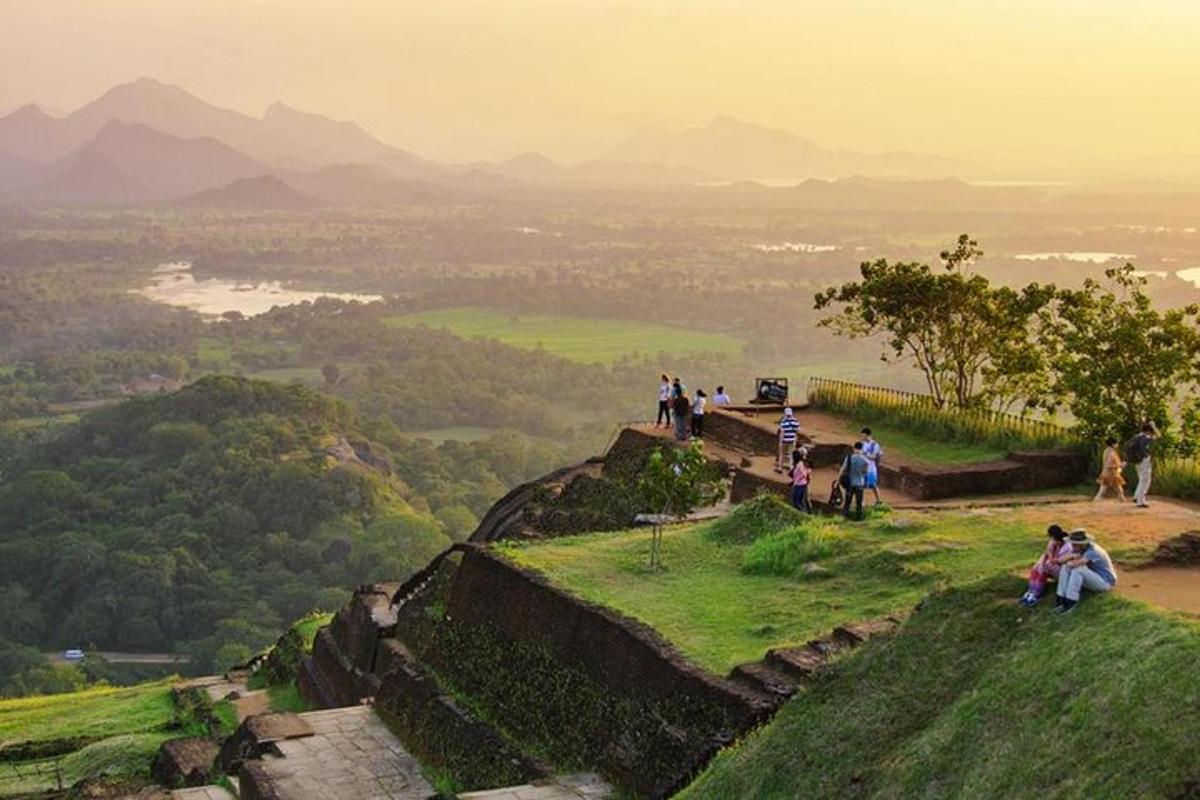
(789, 431)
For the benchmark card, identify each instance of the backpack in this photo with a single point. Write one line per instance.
(836, 496)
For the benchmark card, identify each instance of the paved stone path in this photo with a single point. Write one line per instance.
(202, 793)
(351, 756)
(246, 704)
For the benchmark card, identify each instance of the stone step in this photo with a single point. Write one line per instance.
(800, 663)
(762, 678)
(852, 634)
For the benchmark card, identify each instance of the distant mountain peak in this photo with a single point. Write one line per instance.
(29, 111)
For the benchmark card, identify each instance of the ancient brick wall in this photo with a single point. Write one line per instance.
(652, 718)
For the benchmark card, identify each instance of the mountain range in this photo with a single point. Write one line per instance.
(150, 143)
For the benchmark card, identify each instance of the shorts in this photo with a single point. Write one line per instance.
(873, 477)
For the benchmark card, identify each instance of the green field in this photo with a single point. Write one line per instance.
(92, 713)
(120, 728)
(576, 338)
(736, 587)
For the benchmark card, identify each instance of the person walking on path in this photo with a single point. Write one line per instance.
(721, 399)
(789, 432)
(873, 452)
(854, 479)
(1137, 452)
(681, 411)
(1048, 565)
(801, 475)
(698, 413)
(1088, 567)
(1110, 479)
(664, 403)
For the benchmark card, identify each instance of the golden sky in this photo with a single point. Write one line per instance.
(1011, 83)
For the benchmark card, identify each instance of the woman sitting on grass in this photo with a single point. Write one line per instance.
(1048, 566)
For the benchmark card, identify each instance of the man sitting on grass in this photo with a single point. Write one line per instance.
(1089, 568)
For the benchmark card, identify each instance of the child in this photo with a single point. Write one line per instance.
(721, 399)
(1058, 549)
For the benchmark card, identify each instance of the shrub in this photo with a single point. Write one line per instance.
(789, 551)
(764, 515)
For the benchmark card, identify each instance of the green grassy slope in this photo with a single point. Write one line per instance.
(576, 338)
(973, 699)
(765, 577)
(92, 713)
(119, 728)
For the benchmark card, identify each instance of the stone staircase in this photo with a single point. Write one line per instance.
(783, 671)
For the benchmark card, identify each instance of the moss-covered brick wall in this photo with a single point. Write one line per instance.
(579, 685)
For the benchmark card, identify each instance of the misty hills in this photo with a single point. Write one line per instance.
(283, 138)
(148, 143)
(260, 193)
(732, 149)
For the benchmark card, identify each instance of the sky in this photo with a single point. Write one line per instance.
(1010, 83)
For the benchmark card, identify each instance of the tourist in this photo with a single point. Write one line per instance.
(721, 399)
(664, 403)
(1058, 550)
(698, 413)
(681, 408)
(1110, 479)
(1087, 567)
(853, 477)
(873, 452)
(677, 388)
(1137, 452)
(789, 432)
(801, 474)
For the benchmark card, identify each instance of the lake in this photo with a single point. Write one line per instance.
(175, 285)
(1083, 257)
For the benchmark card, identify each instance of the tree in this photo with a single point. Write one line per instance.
(963, 334)
(1118, 362)
(674, 483)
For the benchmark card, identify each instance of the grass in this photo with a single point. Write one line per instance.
(913, 448)
(973, 699)
(126, 726)
(286, 697)
(738, 586)
(581, 339)
(118, 757)
(92, 713)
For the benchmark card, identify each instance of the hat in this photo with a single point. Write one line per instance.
(1079, 536)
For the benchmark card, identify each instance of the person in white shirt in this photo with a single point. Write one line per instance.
(664, 403)
(698, 406)
(721, 399)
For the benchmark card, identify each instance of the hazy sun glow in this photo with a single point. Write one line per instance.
(1022, 84)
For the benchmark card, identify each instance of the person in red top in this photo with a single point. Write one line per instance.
(801, 474)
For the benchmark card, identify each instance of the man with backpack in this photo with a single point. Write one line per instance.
(1137, 452)
(853, 477)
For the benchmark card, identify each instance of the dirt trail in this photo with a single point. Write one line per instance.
(1176, 588)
